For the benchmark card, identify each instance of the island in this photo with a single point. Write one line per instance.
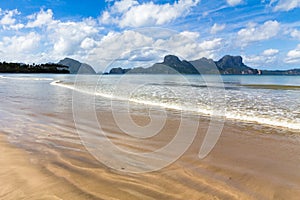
(65, 66)
(227, 65)
(33, 68)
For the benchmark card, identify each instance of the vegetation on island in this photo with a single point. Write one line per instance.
(33, 68)
(65, 66)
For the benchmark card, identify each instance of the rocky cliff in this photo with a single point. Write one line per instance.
(172, 64)
(76, 67)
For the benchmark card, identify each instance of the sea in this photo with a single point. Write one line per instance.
(259, 99)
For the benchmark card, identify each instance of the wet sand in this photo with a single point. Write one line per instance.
(22, 178)
(249, 162)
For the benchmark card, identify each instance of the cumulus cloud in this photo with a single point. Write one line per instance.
(293, 56)
(295, 34)
(190, 49)
(15, 26)
(211, 44)
(234, 2)
(68, 37)
(286, 5)
(191, 35)
(21, 43)
(88, 43)
(8, 17)
(8, 20)
(46, 39)
(131, 13)
(64, 38)
(270, 52)
(58, 38)
(20, 48)
(268, 57)
(217, 28)
(123, 5)
(255, 32)
(42, 18)
(135, 48)
(115, 45)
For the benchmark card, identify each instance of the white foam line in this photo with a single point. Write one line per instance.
(206, 112)
(27, 78)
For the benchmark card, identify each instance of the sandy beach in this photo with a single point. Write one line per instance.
(248, 162)
(150, 100)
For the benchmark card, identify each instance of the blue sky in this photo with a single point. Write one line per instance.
(129, 32)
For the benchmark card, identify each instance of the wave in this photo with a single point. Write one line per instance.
(27, 78)
(236, 115)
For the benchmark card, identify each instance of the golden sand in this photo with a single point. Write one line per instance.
(246, 163)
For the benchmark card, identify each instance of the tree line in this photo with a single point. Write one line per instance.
(33, 68)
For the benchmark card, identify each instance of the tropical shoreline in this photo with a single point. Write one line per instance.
(45, 155)
(246, 163)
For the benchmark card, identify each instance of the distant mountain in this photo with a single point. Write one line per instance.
(234, 65)
(76, 67)
(172, 64)
(205, 66)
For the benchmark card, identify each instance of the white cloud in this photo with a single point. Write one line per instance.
(8, 15)
(270, 52)
(45, 39)
(88, 43)
(23, 48)
(16, 26)
(105, 18)
(58, 39)
(254, 32)
(42, 18)
(22, 43)
(211, 44)
(145, 55)
(254, 60)
(190, 35)
(217, 28)
(189, 48)
(293, 56)
(286, 5)
(116, 45)
(295, 34)
(137, 46)
(124, 5)
(268, 57)
(68, 37)
(131, 13)
(234, 2)
(8, 20)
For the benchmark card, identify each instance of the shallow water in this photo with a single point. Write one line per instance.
(37, 114)
(270, 100)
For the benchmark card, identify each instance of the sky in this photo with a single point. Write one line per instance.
(266, 33)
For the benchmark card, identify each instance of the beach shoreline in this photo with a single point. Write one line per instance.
(246, 163)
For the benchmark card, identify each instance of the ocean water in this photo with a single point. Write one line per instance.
(268, 100)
